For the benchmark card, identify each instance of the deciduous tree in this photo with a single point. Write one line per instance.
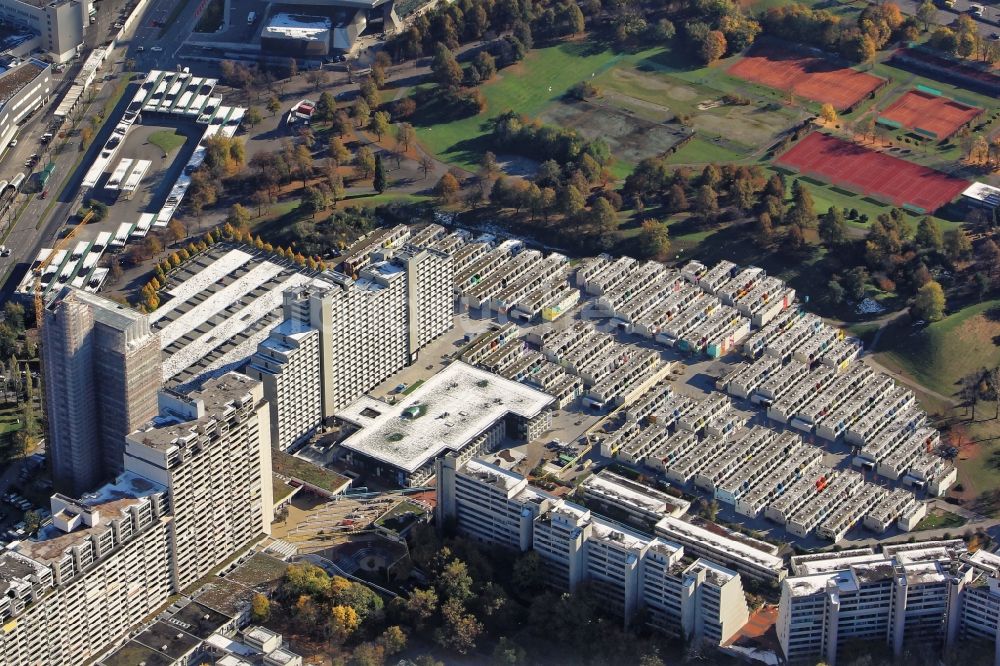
(929, 303)
(447, 188)
(713, 47)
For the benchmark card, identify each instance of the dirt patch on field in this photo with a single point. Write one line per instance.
(747, 125)
(631, 78)
(630, 138)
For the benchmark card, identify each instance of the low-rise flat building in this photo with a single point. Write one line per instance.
(461, 409)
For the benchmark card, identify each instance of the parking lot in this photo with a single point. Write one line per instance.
(28, 491)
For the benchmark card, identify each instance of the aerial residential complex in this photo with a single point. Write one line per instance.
(696, 598)
(196, 486)
(599, 339)
(460, 409)
(687, 578)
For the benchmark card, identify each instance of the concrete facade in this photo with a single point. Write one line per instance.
(629, 570)
(102, 371)
(212, 450)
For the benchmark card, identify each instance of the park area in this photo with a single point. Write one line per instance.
(872, 173)
(814, 78)
(648, 102)
(929, 114)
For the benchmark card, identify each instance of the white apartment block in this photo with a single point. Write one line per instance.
(101, 567)
(196, 487)
(373, 326)
(287, 364)
(921, 594)
(211, 449)
(629, 570)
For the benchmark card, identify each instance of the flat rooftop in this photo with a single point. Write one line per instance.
(217, 396)
(217, 308)
(444, 413)
(680, 529)
(17, 78)
(504, 478)
(613, 487)
(111, 501)
(298, 26)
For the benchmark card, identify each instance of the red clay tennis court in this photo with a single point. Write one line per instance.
(872, 173)
(811, 77)
(919, 110)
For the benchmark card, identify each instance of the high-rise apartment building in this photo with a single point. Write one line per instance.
(102, 374)
(287, 364)
(630, 571)
(368, 328)
(924, 595)
(195, 489)
(211, 449)
(103, 565)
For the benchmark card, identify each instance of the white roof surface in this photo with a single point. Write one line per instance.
(226, 329)
(675, 526)
(458, 403)
(984, 193)
(297, 26)
(211, 274)
(219, 301)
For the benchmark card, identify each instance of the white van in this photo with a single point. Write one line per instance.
(251, 17)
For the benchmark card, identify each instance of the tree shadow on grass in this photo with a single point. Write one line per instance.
(469, 151)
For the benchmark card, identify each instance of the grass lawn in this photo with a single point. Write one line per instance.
(937, 519)
(940, 354)
(652, 84)
(412, 387)
(702, 151)
(392, 519)
(281, 489)
(542, 78)
(167, 140)
(296, 468)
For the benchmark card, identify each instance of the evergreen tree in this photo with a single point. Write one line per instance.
(380, 180)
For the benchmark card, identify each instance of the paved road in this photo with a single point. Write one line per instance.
(987, 25)
(34, 230)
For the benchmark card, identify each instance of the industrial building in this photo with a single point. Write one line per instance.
(461, 409)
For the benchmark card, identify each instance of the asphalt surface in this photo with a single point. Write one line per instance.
(987, 25)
